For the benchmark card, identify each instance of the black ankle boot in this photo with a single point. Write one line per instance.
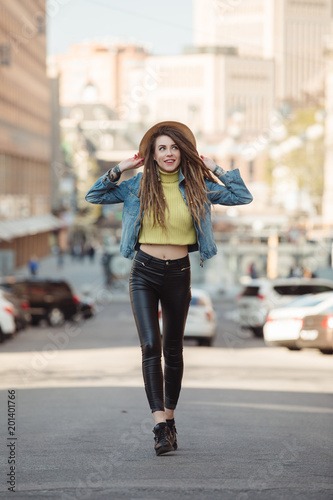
(172, 433)
(162, 439)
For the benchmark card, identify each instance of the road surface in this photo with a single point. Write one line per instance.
(253, 422)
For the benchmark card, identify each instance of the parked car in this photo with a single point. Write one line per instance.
(261, 295)
(317, 331)
(7, 322)
(22, 315)
(50, 300)
(201, 321)
(304, 322)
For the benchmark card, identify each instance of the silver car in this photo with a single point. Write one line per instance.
(261, 295)
(304, 322)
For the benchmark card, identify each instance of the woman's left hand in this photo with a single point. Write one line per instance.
(208, 162)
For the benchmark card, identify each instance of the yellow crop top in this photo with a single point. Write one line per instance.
(180, 227)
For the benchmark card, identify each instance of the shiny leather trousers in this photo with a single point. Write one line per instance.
(168, 281)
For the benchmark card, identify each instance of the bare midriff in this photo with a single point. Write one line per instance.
(165, 252)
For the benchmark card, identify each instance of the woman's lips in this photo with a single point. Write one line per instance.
(169, 161)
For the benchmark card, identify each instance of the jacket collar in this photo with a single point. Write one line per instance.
(181, 176)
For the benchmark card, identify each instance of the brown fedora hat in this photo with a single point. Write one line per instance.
(177, 125)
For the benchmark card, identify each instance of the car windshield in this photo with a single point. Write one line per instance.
(300, 289)
(250, 291)
(306, 301)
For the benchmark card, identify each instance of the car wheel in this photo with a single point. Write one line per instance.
(326, 351)
(258, 331)
(55, 317)
(294, 348)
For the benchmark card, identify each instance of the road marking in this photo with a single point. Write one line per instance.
(302, 409)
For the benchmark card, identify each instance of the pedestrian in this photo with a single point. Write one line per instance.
(166, 215)
(33, 265)
(91, 253)
(106, 260)
(253, 271)
(77, 251)
(60, 258)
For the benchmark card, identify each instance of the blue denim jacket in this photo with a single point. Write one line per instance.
(233, 192)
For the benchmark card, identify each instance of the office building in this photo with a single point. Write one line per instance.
(291, 32)
(25, 218)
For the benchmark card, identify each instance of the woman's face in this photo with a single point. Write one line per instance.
(167, 153)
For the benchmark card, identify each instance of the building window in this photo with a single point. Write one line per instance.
(5, 55)
(40, 22)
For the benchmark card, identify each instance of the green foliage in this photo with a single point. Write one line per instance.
(307, 162)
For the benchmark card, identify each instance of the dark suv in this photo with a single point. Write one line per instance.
(51, 300)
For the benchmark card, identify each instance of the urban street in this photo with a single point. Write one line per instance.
(253, 422)
(191, 142)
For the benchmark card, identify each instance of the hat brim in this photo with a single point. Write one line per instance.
(177, 125)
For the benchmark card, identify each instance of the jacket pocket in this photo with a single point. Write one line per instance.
(132, 205)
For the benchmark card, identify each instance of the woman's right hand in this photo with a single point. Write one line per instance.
(131, 163)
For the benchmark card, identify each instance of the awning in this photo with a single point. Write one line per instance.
(16, 228)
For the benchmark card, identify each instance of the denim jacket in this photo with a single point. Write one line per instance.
(232, 192)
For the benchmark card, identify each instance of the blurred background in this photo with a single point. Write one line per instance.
(80, 83)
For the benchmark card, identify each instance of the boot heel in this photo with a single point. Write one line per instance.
(172, 433)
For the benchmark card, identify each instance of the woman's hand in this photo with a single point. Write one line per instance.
(208, 162)
(131, 163)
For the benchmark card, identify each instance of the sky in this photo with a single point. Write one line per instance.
(165, 25)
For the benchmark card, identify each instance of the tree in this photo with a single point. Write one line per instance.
(302, 152)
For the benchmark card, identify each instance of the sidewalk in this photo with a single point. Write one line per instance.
(85, 277)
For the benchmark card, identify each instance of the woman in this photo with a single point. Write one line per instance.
(166, 215)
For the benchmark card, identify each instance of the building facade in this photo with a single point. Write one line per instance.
(206, 88)
(291, 32)
(99, 72)
(328, 173)
(25, 218)
(100, 97)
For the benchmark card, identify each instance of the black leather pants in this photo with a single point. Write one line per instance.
(168, 281)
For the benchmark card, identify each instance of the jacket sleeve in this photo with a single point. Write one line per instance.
(105, 192)
(233, 192)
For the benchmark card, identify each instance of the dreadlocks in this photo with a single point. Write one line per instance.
(194, 170)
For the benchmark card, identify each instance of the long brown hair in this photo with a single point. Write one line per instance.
(152, 200)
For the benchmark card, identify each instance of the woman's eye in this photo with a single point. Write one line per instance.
(163, 147)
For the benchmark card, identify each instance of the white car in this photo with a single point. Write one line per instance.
(7, 319)
(261, 295)
(284, 325)
(201, 321)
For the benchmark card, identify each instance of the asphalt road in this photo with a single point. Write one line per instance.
(253, 422)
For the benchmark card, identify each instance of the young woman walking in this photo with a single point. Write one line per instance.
(166, 215)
